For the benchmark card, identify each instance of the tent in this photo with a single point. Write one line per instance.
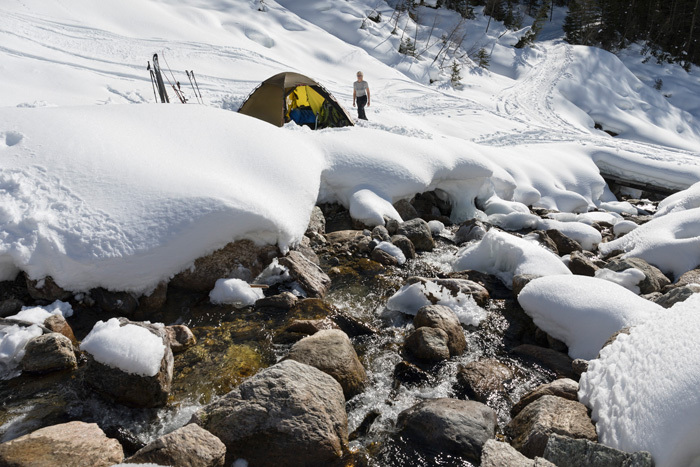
(292, 96)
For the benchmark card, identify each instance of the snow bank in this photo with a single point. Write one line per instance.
(681, 201)
(587, 236)
(583, 312)
(629, 278)
(412, 297)
(130, 348)
(39, 314)
(234, 292)
(505, 255)
(670, 242)
(643, 389)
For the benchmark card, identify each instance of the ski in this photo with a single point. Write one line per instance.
(192, 86)
(197, 85)
(159, 81)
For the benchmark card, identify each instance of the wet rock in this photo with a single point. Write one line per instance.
(365, 426)
(492, 285)
(654, 280)
(57, 323)
(418, 231)
(450, 426)
(180, 337)
(382, 257)
(405, 245)
(332, 352)
(49, 352)
(120, 303)
(499, 454)
(565, 245)
(344, 238)
(430, 205)
(156, 299)
(520, 281)
(428, 344)
(580, 264)
(442, 317)
(281, 302)
(287, 408)
(531, 428)
(46, 289)
(456, 286)
(131, 389)
(189, 446)
(242, 259)
(10, 307)
(471, 230)
(73, 444)
(558, 362)
(562, 450)
(406, 210)
(565, 388)
(481, 379)
(317, 222)
(679, 294)
(311, 326)
(351, 326)
(310, 277)
(381, 233)
(410, 374)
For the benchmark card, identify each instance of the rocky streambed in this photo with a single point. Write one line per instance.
(320, 371)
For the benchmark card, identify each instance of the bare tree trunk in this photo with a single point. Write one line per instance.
(692, 27)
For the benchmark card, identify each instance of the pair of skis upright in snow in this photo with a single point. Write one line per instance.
(159, 89)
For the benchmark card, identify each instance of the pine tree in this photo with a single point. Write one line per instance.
(483, 59)
(530, 36)
(456, 76)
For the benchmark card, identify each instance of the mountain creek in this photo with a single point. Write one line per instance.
(233, 344)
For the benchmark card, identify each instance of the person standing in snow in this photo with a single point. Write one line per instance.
(360, 94)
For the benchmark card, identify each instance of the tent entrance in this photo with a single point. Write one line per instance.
(303, 105)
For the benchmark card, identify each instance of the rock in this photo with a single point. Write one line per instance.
(304, 247)
(679, 294)
(311, 326)
(687, 278)
(345, 238)
(406, 210)
(654, 280)
(418, 231)
(289, 414)
(180, 337)
(382, 257)
(531, 428)
(544, 240)
(130, 389)
(470, 230)
(562, 450)
(46, 289)
(565, 245)
(242, 259)
(580, 264)
(405, 245)
(580, 366)
(310, 277)
(10, 307)
(490, 284)
(456, 286)
(332, 352)
(317, 222)
(282, 302)
(120, 303)
(352, 326)
(57, 323)
(565, 388)
(442, 317)
(409, 374)
(73, 444)
(156, 299)
(381, 233)
(431, 206)
(499, 454)
(483, 378)
(189, 446)
(520, 281)
(611, 339)
(558, 362)
(428, 344)
(49, 352)
(450, 426)
(392, 225)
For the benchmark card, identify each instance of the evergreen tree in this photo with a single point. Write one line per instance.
(530, 36)
(483, 59)
(456, 76)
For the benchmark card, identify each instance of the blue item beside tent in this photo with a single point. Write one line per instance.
(303, 116)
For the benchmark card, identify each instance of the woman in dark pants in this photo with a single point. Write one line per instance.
(360, 94)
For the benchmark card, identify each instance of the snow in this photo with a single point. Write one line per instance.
(587, 236)
(412, 297)
(582, 311)
(393, 250)
(643, 389)
(505, 256)
(39, 314)
(130, 348)
(629, 278)
(234, 292)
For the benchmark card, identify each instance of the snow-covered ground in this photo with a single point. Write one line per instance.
(101, 187)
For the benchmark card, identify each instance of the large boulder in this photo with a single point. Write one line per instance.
(581, 264)
(471, 230)
(531, 428)
(289, 414)
(49, 352)
(121, 362)
(654, 280)
(310, 277)
(562, 450)
(482, 379)
(332, 352)
(428, 344)
(242, 259)
(564, 387)
(189, 446)
(73, 444)
(499, 454)
(560, 363)
(418, 231)
(442, 317)
(450, 426)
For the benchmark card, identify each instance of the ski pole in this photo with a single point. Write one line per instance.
(195, 83)
(153, 81)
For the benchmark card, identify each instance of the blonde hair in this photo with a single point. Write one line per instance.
(359, 73)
